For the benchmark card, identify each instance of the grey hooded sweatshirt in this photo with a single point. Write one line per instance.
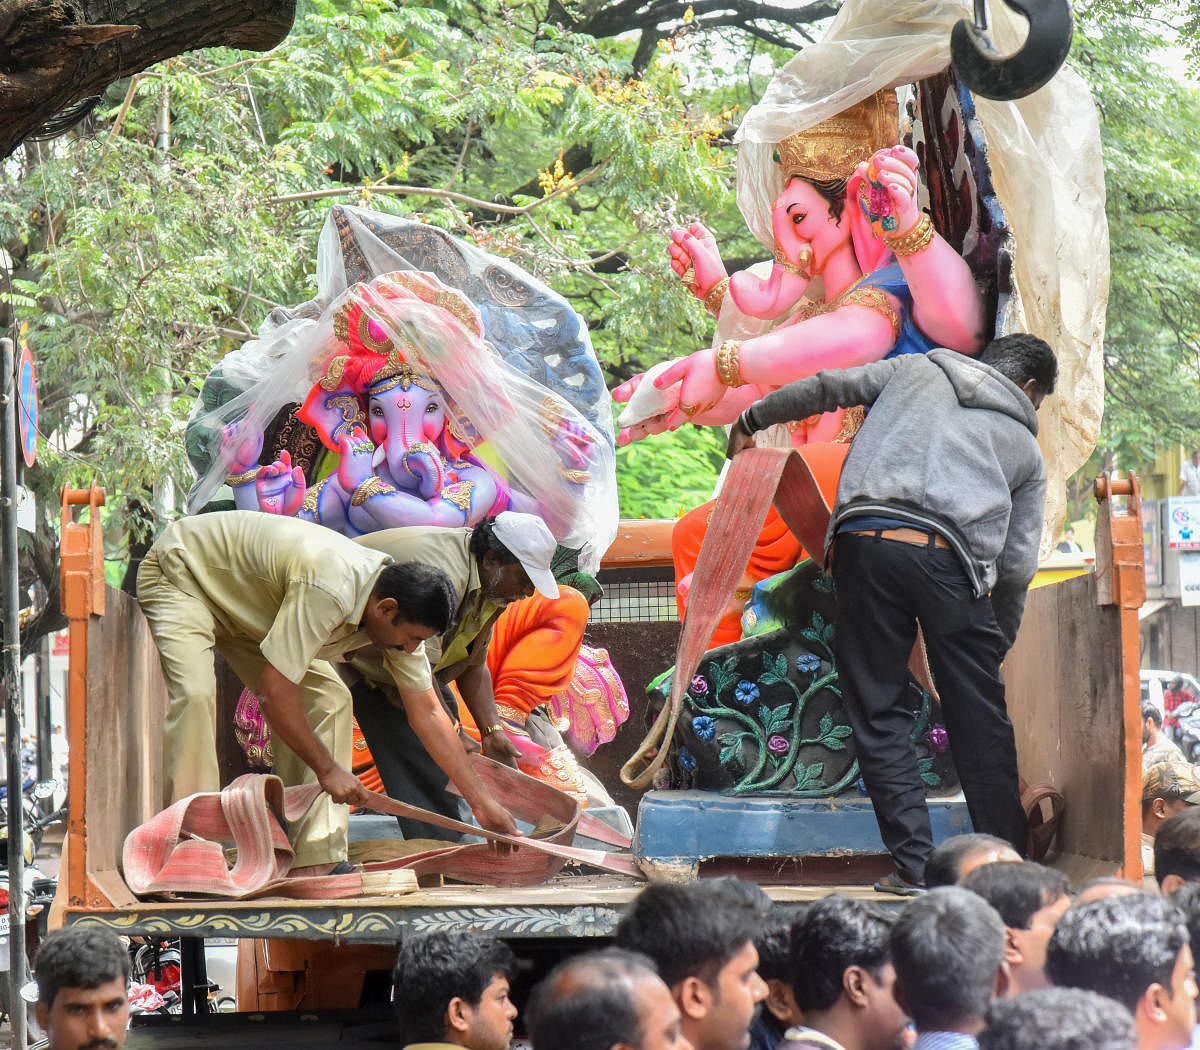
(948, 444)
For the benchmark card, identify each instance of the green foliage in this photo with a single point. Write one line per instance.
(147, 249)
(1151, 135)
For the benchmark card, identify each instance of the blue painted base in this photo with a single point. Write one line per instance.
(684, 827)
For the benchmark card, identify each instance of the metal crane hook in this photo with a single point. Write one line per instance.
(1008, 77)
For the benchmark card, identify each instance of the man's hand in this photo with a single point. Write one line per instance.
(495, 817)
(499, 748)
(343, 786)
(739, 438)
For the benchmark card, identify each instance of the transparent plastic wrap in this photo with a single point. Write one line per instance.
(1045, 159)
(506, 360)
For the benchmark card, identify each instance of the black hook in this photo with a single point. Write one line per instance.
(1007, 77)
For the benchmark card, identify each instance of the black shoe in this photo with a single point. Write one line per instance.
(342, 867)
(894, 884)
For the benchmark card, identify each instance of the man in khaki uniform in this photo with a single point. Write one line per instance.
(499, 561)
(281, 597)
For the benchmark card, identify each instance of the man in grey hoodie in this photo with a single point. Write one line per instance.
(937, 521)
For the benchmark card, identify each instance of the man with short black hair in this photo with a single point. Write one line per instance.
(450, 989)
(954, 858)
(498, 561)
(82, 977)
(1177, 851)
(948, 950)
(605, 1000)
(844, 980)
(701, 936)
(1135, 950)
(1058, 1019)
(937, 522)
(779, 1011)
(1156, 746)
(1030, 899)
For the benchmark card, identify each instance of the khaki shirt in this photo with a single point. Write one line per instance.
(297, 589)
(465, 643)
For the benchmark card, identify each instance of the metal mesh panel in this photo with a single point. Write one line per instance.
(636, 595)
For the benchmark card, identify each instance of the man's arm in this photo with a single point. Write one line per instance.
(282, 707)
(827, 390)
(433, 727)
(1017, 563)
(475, 686)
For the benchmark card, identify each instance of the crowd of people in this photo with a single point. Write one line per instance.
(997, 955)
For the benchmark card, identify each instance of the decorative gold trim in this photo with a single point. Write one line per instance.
(312, 500)
(334, 371)
(577, 477)
(915, 240)
(875, 299)
(373, 486)
(729, 366)
(716, 296)
(459, 494)
(426, 447)
(246, 477)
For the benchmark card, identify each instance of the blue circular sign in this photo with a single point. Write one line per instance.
(28, 416)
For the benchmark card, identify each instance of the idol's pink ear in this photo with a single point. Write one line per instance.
(332, 413)
(869, 250)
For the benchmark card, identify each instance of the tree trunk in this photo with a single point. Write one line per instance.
(54, 53)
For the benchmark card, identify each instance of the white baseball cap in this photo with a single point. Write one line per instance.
(533, 544)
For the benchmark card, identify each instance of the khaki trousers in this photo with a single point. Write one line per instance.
(186, 632)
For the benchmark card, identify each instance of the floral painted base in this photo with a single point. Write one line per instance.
(765, 715)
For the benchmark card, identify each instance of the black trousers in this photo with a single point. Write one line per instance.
(884, 588)
(408, 772)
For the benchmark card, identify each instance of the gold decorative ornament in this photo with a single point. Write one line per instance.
(244, 478)
(874, 299)
(459, 494)
(426, 447)
(487, 731)
(373, 486)
(804, 269)
(915, 240)
(312, 500)
(576, 477)
(688, 279)
(715, 296)
(833, 148)
(687, 409)
(729, 366)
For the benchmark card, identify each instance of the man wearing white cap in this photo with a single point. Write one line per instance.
(502, 559)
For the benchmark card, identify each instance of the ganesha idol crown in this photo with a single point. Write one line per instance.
(833, 148)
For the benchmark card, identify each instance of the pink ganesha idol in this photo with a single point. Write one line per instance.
(859, 274)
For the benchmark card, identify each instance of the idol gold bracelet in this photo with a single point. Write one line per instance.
(373, 486)
(729, 367)
(716, 296)
(244, 478)
(916, 240)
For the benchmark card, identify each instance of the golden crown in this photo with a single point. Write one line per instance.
(833, 148)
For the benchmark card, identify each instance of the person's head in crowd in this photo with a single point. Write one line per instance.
(1104, 886)
(1030, 899)
(452, 987)
(1169, 786)
(779, 1010)
(959, 855)
(1058, 1019)
(1177, 850)
(83, 989)
(604, 1000)
(1187, 900)
(948, 950)
(1151, 724)
(1135, 950)
(701, 936)
(843, 977)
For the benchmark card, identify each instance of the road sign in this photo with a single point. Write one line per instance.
(28, 417)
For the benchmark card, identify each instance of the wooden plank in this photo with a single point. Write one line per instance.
(640, 542)
(1064, 679)
(126, 702)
